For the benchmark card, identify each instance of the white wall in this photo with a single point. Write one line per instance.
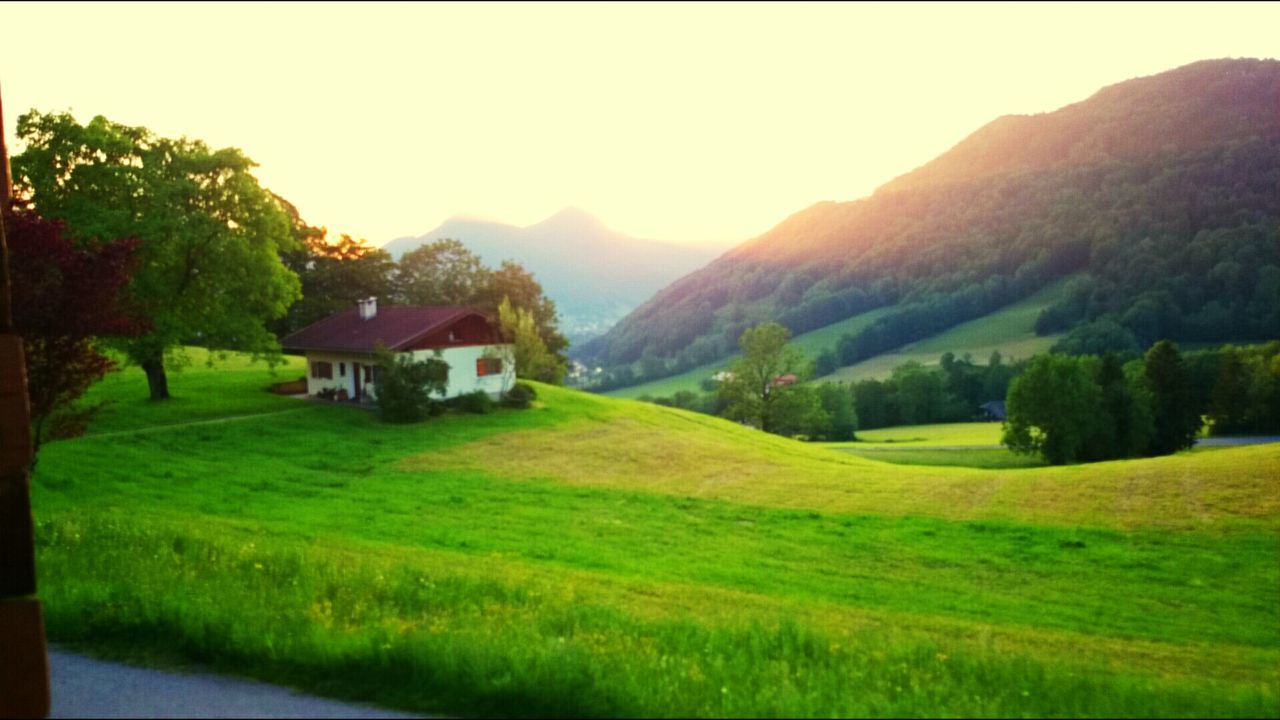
(462, 371)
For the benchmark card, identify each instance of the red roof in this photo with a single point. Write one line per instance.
(394, 326)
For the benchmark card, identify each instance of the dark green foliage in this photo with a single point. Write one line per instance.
(1177, 231)
(1054, 408)
(477, 403)
(797, 412)
(1125, 427)
(520, 396)
(842, 417)
(916, 395)
(1245, 395)
(1098, 338)
(1177, 417)
(406, 386)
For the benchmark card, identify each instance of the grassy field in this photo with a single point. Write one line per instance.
(1011, 330)
(811, 343)
(595, 556)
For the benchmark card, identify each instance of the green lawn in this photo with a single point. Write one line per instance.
(594, 556)
(1011, 330)
(939, 435)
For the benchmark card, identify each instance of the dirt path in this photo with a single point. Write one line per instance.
(211, 421)
(86, 688)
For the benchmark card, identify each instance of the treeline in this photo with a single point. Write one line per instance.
(1084, 408)
(954, 391)
(1176, 242)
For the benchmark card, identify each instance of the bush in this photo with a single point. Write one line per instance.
(477, 402)
(520, 396)
(405, 386)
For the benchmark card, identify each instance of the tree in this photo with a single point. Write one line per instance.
(837, 401)
(405, 386)
(334, 274)
(63, 297)
(210, 237)
(753, 386)
(1177, 417)
(443, 272)
(797, 411)
(512, 282)
(532, 359)
(1126, 426)
(1052, 408)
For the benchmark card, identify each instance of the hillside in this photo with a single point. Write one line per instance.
(1161, 191)
(594, 274)
(1009, 330)
(601, 557)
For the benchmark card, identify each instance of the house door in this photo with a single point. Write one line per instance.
(355, 381)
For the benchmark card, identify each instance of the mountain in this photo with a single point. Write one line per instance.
(594, 274)
(1162, 192)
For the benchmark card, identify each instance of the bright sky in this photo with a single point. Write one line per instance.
(679, 122)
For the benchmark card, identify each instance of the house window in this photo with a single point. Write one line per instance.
(322, 370)
(488, 366)
(342, 369)
(377, 373)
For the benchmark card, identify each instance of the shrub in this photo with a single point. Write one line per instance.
(520, 396)
(405, 387)
(477, 402)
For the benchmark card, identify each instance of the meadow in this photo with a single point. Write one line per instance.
(600, 557)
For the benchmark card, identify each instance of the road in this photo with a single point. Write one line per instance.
(82, 687)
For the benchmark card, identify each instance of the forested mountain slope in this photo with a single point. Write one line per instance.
(1163, 191)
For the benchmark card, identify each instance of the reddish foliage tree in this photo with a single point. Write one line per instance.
(63, 297)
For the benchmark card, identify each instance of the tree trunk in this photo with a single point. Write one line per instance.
(157, 381)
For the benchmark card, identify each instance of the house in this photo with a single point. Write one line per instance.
(787, 379)
(993, 410)
(340, 348)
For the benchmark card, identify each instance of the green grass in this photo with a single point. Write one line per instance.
(602, 557)
(939, 435)
(991, 459)
(233, 386)
(1011, 330)
(811, 343)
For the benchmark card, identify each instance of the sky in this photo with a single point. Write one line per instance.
(689, 123)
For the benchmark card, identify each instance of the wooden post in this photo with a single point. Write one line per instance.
(24, 660)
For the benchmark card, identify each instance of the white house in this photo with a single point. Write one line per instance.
(340, 348)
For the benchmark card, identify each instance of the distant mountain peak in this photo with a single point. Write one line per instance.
(573, 219)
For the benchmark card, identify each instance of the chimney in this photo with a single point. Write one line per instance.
(368, 308)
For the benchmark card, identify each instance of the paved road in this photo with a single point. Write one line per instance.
(86, 688)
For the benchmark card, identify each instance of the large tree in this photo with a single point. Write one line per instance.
(1053, 408)
(753, 387)
(443, 272)
(532, 359)
(1177, 415)
(208, 266)
(63, 297)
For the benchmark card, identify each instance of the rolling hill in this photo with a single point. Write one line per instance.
(1159, 191)
(606, 558)
(594, 274)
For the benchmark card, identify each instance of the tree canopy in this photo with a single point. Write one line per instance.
(63, 297)
(756, 390)
(210, 238)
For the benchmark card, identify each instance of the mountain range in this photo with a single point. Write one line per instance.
(594, 274)
(1160, 194)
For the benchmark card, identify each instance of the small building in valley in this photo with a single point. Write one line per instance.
(992, 410)
(340, 348)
